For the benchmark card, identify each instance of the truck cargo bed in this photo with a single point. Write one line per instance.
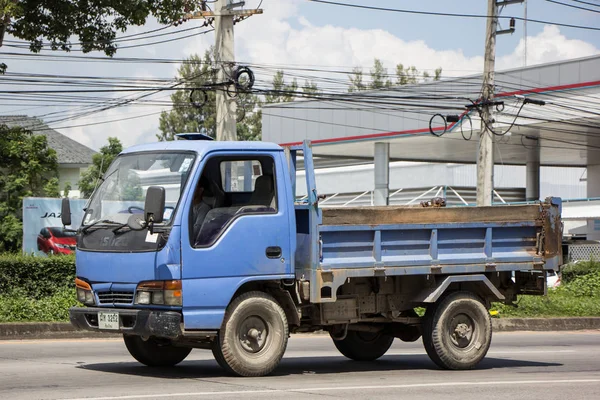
(396, 241)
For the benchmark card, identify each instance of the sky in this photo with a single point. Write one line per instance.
(306, 33)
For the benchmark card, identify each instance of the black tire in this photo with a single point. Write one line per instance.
(364, 346)
(457, 332)
(253, 336)
(153, 353)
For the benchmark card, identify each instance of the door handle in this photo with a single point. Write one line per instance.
(273, 252)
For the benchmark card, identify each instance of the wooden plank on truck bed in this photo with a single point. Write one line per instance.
(426, 215)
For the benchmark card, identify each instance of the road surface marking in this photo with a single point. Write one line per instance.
(344, 388)
(8, 342)
(419, 353)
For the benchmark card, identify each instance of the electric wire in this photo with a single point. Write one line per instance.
(434, 13)
(586, 2)
(374, 101)
(572, 6)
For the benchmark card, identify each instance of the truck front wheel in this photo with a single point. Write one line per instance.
(253, 336)
(364, 346)
(154, 353)
(457, 332)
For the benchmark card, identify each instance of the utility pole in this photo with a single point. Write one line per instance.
(225, 15)
(485, 157)
(224, 58)
(525, 34)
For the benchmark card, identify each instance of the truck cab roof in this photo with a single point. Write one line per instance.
(203, 147)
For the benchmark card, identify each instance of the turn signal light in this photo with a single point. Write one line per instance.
(82, 284)
(85, 294)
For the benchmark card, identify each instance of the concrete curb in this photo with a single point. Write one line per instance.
(64, 330)
(46, 330)
(545, 324)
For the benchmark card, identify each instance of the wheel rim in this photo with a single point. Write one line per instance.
(462, 331)
(253, 334)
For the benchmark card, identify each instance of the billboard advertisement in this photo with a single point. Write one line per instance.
(43, 233)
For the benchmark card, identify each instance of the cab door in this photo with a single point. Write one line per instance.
(247, 235)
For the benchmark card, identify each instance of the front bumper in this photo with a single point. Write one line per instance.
(163, 324)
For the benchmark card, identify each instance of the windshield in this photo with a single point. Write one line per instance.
(122, 190)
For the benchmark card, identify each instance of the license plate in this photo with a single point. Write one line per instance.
(108, 320)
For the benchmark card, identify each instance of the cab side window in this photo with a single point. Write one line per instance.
(239, 186)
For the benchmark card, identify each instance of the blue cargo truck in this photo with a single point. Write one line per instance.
(202, 244)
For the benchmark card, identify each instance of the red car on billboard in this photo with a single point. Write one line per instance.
(54, 240)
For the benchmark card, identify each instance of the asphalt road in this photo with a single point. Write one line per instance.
(563, 365)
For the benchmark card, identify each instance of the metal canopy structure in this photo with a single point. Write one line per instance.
(566, 129)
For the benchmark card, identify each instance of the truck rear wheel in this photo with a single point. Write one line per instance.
(364, 346)
(154, 353)
(457, 332)
(253, 336)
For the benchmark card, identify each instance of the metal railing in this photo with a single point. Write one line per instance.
(455, 196)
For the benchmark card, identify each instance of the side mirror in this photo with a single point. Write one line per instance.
(65, 212)
(154, 207)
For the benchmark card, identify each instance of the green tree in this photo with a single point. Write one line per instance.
(310, 89)
(94, 22)
(197, 72)
(380, 79)
(281, 92)
(67, 189)
(51, 187)
(250, 127)
(28, 168)
(379, 76)
(356, 80)
(100, 163)
(437, 74)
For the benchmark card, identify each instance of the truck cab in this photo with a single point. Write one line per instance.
(228, 221)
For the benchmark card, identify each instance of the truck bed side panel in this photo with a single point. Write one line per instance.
(395, 241)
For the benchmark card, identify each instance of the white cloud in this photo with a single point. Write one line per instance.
(275, 41)
(550, 45)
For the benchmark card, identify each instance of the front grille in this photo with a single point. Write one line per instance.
(115, 297)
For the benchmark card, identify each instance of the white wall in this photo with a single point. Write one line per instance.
(72, 175)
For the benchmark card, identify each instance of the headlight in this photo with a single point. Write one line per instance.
(143, 297)
(158, 298)
(81, 295)
(159, 292)
(85, 294)
(62, 246)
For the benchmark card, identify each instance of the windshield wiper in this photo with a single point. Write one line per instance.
(118, 228)
(100, 221)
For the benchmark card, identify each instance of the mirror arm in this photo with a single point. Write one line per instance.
(150, 224)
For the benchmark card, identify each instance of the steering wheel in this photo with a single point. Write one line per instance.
(130, 209)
